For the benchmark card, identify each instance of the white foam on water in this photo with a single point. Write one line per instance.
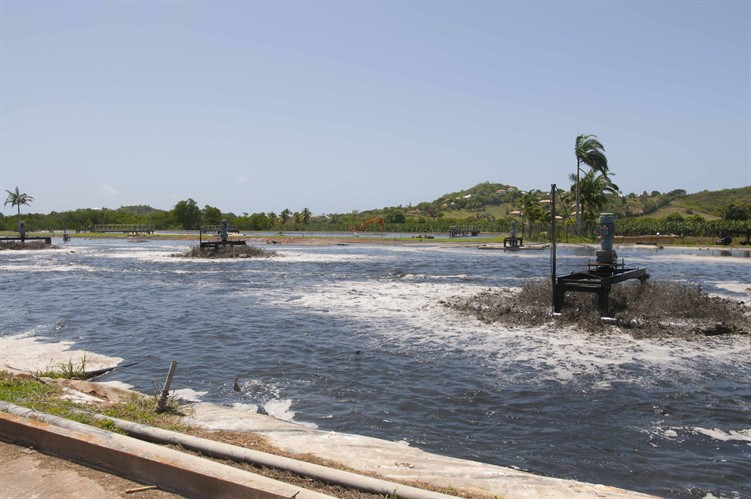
(240, 406)
(386, 253)
(152, 256)
(699, 258)
(681, 434)
(735, 287)
(291, 256)
(189, 394)
(37, 267)
(270, 399)
(29, 353)
(409, 313)
(258, 389)
(194, 272)
(413, 277)
(280, 409)
(276, 408)
(273, 405)
(724, 436)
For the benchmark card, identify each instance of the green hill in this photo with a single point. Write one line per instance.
(499, 200)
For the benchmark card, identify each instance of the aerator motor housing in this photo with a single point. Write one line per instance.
(606, 255)
(601, 275)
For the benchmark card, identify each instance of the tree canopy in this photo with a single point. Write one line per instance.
(17, 198)
(187, 214)
(211, 215)
(595, 189)
(589, 151)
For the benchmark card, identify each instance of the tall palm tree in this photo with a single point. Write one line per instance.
(589, 151)
(595, 188)
(284, 215)
(17, 199)
(530, 208)
(566, 198)
(306, 214)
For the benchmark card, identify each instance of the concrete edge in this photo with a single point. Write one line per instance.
(144, 462)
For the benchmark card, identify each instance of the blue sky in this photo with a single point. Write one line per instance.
(341, 106)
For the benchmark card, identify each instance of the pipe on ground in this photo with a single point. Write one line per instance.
(240, 454)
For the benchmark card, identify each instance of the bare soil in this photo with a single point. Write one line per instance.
(655, 309)
(230, 251)
(27, 245)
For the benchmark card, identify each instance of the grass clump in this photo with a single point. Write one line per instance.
(142, 409)
(23, 391)
(50, 399)
(65, 370)
(39, 396)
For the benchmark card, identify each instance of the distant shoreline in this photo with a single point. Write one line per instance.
(394, 238)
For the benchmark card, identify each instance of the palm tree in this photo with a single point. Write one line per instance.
(566, 199)
(306, 214)
(530, 208)
(595, 189)
(284, 215)
(589, 151)
(17, 199)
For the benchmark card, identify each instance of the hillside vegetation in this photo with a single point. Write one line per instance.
(490, 207)
(500, 200)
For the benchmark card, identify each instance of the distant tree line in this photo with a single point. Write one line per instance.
(694, 226)
(186, 215)
(596, 193)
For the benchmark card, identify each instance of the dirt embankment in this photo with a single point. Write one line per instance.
(26, 245)
(235, 251)
(655, 309)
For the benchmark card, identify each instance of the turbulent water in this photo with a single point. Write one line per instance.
(355, 339)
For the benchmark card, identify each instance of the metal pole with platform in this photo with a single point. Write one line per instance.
(223, 231)
(599, 276)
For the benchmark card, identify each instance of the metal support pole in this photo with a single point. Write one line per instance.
(604, 300)
(160, 405)
(553, 241)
